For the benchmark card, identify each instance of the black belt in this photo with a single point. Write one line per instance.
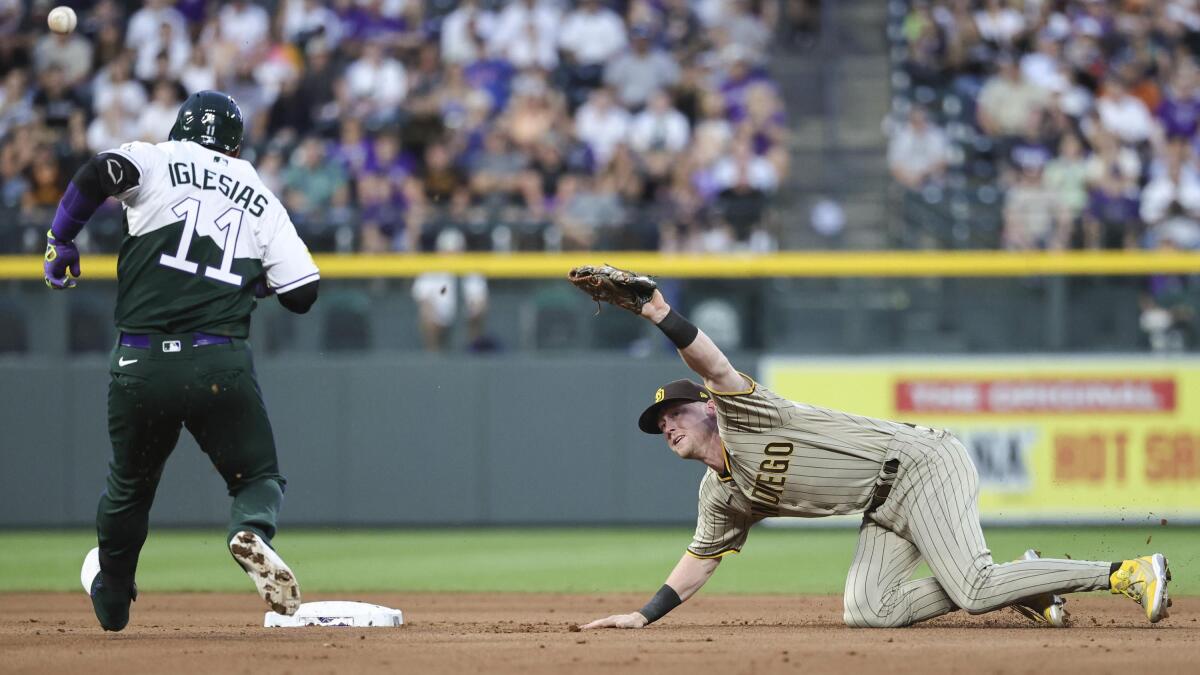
(198, 340)
(884, 488)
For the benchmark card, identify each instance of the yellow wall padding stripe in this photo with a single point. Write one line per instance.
(791, 264)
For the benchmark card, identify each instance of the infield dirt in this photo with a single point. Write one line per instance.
(531, 634)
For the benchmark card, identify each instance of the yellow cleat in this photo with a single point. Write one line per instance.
(1047, 609)
(1144, 580)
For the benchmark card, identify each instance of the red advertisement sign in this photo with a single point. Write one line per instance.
(1041, 395)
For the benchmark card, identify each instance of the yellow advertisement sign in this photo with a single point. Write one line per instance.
(1053, 439)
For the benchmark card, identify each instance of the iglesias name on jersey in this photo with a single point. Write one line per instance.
(202, 230)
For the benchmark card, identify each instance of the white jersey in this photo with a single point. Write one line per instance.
(202, 231)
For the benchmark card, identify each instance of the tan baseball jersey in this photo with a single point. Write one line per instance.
(786, 459)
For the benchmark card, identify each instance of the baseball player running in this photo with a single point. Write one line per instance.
(917, 488)
(204, 237)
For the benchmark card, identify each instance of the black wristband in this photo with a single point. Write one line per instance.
(678, 329)
(665, 600)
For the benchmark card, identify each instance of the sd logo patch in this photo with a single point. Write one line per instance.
(659, 395)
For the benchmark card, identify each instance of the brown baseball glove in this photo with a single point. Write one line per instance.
(615, 286)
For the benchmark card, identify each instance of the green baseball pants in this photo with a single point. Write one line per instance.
(153, 393)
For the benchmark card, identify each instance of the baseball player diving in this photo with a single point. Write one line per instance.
(203, 238)
(917, 488)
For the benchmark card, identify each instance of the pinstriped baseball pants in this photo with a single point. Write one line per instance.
(932, 514)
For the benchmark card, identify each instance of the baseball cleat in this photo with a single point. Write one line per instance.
(1144, 580)
(1047, 609)
(274, 580)
(110, 595)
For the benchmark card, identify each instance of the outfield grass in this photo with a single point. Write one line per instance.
(581, 560)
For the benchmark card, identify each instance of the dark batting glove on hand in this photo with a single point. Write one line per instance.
(61, 266)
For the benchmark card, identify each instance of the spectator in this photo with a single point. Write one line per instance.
(437, 301)
(1110, 220)
(1168, 316)
(602, 124)
(1042, 68)
(145, 24)
(114, 87)
(69, 51)
(681, 25)
(526, 34)
(590, 206)
(291, 113)
(46, 185)
(743, 182)
(252, 98)
(244, 25)
(591, 35)
(377, 84)
(1029, 214)
(659, 128)
(112, 128)
(531, 115)
(1110, 159)
(1174, 193)
(157, 118)
(176, 47)
(1179, 111)
(54, 102)
(17, 101)
(496, 171)
(311, 180)
(304, 20)
(637, 73)
(1007, 104)
(744, 169)
(745, 29)
(465, 31)
(1124, 115)
(918, 152)
(197, 74)
(382, 224)
(999, 23)
(1066, 177)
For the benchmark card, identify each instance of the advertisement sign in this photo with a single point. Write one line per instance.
(1103, 440)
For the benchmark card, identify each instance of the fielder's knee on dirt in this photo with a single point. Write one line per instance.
(862, 611)
(968, 591)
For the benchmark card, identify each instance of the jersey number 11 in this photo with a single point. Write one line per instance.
(229, 222)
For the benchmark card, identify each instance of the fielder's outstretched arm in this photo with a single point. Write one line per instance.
(699, 352)
(689, 575)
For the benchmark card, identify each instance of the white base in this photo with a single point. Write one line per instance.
(337, 613)
(91, 567)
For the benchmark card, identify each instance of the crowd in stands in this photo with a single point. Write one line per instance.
(1088, 110)
(1081, 115)
(380, 124)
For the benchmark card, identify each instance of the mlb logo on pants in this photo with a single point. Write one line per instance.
(171, 346)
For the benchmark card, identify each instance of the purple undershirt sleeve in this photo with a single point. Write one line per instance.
(74, 210)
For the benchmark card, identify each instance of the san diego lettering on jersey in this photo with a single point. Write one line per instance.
(769, 482)
(185, 173)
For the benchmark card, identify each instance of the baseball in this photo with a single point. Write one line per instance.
(61, 19)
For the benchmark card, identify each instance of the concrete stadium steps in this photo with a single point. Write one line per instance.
(837, 95)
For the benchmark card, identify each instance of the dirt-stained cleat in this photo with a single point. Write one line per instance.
(1046, 609)
(1144, 580)
(274, 579)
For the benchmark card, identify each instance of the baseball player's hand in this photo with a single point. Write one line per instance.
(61, 265)
(634, 620)
(656, 309)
